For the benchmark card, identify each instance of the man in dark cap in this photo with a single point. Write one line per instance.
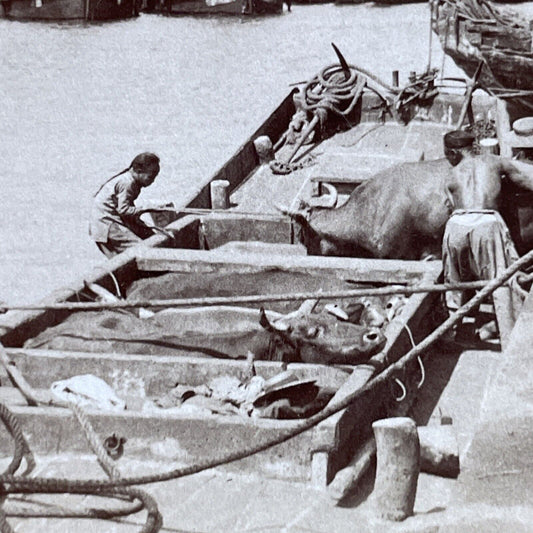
(115, 220)
(477, 244)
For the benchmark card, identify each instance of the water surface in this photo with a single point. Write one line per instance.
(78, 102)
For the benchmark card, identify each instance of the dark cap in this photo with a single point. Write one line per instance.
(458, 139)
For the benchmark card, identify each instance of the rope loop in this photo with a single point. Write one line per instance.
(404, 390)
(422, 372)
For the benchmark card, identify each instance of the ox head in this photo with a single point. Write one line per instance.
(306, 208)
(320, 338)
(305, 214)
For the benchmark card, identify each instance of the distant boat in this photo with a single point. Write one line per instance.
(216, 7)
(69, 10)
(474, 33)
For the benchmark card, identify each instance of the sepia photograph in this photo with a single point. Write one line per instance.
(266, 266)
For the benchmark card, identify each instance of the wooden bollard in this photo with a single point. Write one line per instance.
(219, 194)
(395, 78)
(397, 467)
(263, 149)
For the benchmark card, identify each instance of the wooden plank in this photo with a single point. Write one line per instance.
(367, 270)
(503, 128)
(218, 230)
(348, 421)
(157, 373)
(52, 430)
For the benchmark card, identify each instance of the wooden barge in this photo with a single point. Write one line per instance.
(215, 7)
(474, 33)
(69, 10)
(249, 241)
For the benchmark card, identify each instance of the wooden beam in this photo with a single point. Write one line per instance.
(365, 270)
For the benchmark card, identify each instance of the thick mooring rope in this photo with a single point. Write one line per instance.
(138, 498)
(97, 447)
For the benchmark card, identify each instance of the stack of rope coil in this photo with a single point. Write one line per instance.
(333, 90)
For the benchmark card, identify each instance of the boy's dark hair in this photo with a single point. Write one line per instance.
(144, 162)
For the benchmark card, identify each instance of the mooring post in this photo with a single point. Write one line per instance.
(397, 467)
(395, 78)
(219, 194)
(264, 149)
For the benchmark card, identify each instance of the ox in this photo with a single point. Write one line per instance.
(320, 338)
(401, 212)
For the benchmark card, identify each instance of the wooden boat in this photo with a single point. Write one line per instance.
(217, 7)
(249, 241)
(69, 10)
(473, 33)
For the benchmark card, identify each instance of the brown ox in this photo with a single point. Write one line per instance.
(401, 212)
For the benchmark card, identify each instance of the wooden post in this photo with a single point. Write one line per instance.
(489, 146)
(397, 468)
(347, 479)
(219, 194)
(263, 149)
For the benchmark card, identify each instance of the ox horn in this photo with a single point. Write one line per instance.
(278, 326)
(306, 308)
(328, 200)
(286, 211)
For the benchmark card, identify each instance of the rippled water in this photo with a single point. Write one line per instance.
(78, 102)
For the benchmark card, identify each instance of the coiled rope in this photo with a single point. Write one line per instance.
(336, 90)
(138, 498)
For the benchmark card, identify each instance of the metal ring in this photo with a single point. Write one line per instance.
(404, 390)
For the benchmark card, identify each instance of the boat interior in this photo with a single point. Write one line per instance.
(249, 248)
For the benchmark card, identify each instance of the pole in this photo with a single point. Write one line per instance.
(247, 299)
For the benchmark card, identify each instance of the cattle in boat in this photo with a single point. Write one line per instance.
(318, 338)
(401, 212)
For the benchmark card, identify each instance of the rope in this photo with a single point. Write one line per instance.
(105, 461)
(410, 333)
(402, 397)
(22, 450)
(253, 298)
(422, 373)
(330, 91)
(139, 499)
(20, 509)
(58, 485)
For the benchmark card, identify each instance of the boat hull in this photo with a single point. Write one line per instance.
(69, 10)
(315, 455)
(504, 50)
(217, 7)
(256, 240)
